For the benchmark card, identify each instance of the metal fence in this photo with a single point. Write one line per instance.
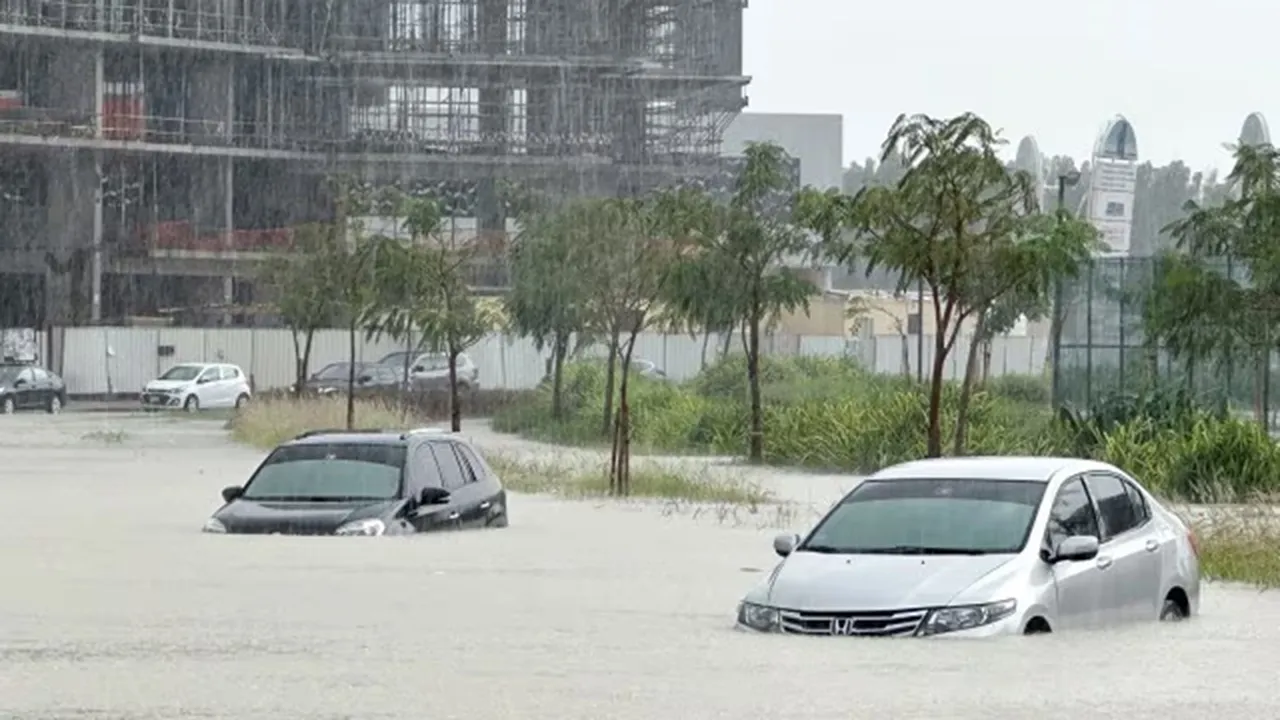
(1105, 347)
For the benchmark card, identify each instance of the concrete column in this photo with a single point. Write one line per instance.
(73, 240)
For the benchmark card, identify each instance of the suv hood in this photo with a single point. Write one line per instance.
(819, 582)
(298, 518)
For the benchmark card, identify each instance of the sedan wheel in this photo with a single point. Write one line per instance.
(1172, 612)
(55, 405)
(8, 407)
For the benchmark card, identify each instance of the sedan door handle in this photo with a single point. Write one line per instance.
(1104, 563)
(485, 505)
(454, 516)
(1153, 545)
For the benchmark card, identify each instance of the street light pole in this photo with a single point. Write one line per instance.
(1065, 180)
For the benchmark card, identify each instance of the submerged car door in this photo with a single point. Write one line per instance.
(1084, 597)
(426, 473)
(1130, 541)
(492, 500)
(461, 483)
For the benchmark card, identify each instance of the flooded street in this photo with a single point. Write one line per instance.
(114, 605)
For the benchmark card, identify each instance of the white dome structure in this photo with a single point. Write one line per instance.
(1113, 183)
(1255, 131)
(1030, 161)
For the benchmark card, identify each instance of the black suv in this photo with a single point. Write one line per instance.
(370, 482)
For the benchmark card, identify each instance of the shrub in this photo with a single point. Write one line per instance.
(647, 481)
(269, 421)
(1021, 388)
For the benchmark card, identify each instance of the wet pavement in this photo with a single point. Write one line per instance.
(113, 605)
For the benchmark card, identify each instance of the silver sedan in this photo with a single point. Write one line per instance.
(978, 547)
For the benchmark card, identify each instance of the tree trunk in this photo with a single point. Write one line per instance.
(455, 401)
(306, 357)
(756, 451)
(906, 354)
(706, 342)
(298, 379)
(986, 362)
(405, 382)
(966, 387)
(935, 394)
(610, 378)
(728, 342)
(351, 376)
(620, 457)
(558, 350)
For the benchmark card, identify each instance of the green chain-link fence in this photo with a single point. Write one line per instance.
(1105, 350)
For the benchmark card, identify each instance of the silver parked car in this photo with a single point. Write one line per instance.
(978, 547)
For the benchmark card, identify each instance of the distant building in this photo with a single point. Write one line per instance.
(1255, 131)
(816, 141)
(1113, 183)
(1031, 161)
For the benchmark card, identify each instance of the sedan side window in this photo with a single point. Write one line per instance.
(1114, 505)
(1139, 503)
(450, 469)
(26, 376)
(1072, 514)
(39, 375)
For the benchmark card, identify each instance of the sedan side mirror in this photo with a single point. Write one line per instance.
(20, 382)
(364, 379)
(434, 496)
(785, 544)
(232, 492)
(1075, 548)
(418, 368)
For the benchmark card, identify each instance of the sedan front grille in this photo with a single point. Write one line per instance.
(875, 623)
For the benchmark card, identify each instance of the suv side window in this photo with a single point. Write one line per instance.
(230, 373)
(40, 376)
(1071, 514)
(469, 457)
(450, 469)
(428, 470)
(1114, 505)
(26, 375)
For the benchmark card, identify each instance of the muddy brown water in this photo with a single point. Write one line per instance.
(113, 605)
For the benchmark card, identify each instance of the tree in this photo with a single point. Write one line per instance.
(734, 271)
(423, 284)
(549, 301)
(955, 222)
(1223, 294)
(302, 279)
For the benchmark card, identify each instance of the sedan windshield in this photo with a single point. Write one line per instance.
(182, 372)
(329, 472)
(930, 517)
(8, 374)
(335, 371)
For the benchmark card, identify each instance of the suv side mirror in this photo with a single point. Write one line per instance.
(232, 492)
(20, 382)
(365, 379)
(785, 544)
(1076, 547)
(204, 380)
(434, 496)
(418, 368)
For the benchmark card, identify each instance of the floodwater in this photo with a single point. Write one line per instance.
(113, 605)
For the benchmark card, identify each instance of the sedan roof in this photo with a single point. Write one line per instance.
(1035, 469)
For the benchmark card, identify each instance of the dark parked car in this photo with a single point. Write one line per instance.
(28, 387)
(371, 379)
(338, 482)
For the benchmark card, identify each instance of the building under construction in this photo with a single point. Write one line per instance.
(151, 151)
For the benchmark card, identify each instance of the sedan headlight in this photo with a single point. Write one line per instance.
(371, 526)
(758, 617)
(966, 617)
(214, 525)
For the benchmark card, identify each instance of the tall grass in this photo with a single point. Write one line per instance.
(268, 422)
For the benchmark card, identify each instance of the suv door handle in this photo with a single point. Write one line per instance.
(485, 505)
(1153, 545)
(1104, 563)
(453, 516)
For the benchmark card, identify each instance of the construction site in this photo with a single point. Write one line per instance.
(154, 152)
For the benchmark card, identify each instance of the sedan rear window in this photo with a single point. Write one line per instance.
(329, 472)
(937, 516)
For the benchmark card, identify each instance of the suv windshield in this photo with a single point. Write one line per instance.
(353, 471)
(182, 372)
(957, 516)
(8, 373)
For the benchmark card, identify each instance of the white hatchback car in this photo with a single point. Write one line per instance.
(196, 386)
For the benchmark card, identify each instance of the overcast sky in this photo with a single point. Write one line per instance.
(1184, 73)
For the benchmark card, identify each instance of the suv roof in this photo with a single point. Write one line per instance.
(371, 436)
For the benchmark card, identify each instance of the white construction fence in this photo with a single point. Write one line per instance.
(119, 360)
